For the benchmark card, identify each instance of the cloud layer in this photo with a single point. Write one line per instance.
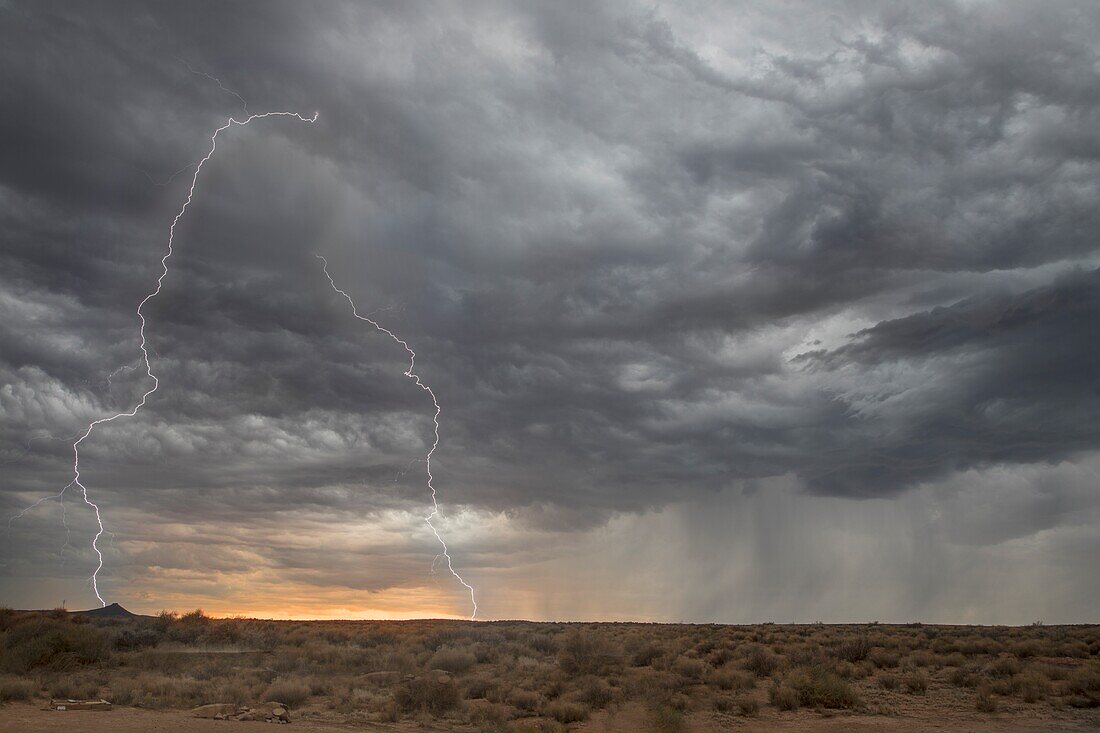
(656, 262)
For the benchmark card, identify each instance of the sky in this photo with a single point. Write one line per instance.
(736, 312)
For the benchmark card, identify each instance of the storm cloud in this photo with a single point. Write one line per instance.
(661, 264)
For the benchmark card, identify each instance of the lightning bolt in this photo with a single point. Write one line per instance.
(94, 579)
(411, 374)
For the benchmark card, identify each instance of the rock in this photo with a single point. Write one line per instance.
(64, 705)
(276, 711)
(218, 710)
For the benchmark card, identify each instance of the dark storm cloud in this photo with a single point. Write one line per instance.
(1007, 379)
(644, 254)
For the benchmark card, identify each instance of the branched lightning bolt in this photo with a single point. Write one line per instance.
(411, 374)
(94, 579)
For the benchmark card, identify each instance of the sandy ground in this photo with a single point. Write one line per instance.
(26, 718)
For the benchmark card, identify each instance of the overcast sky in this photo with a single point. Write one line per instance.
(735, 311)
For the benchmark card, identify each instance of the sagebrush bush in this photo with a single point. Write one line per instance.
(761, 661)
(666, 718)
(784, 697)
(74, 688)
(748, 705)
(819, 687)
(594, 692)
(916, 683)
(290, 692)
(431, 693)
(455, 661)
(565, 712)
(732, 679)
(984, 700)
(883, 659)
(584, 652)
(16, 689)
(1033, 686)
(52, 644)
(692, 669)
(526, 700)
(1003, 667)
(853, 650)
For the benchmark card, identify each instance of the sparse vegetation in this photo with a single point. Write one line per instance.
(514, 676)
(289, 692)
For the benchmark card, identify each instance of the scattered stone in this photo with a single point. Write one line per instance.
(271, 712)
(65, 705)
(217, 711)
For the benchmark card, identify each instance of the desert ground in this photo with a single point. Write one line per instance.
(520, 677)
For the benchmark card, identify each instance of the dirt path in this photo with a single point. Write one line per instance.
(27, 718)
(24, 718)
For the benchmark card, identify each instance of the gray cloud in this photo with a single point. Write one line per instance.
(646, 256)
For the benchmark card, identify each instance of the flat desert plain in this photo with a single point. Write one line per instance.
(520, 677)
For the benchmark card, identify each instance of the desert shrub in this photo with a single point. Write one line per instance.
(47, 643)
(720, 656)
(853, 650)
(748, 705)
(1032, 686)
(480, 687)
(916, 683)
(888, 682)
(1003, 667)
(434, 694)
(222, 632)
(692, 669)
(16, 690)
(536, 725)
(543, 644)
(594, 692)
(1028, 648)
(805, 655)
(783, 697)
(132, 638)
(962, 677)
(921, 658)
(883, 659)
(819, 687)
(732, 679)
(761, 661)
(449, 659)
(984, 700)
(526, 700)
(565, 712)
(289, 692)
(1084, 681)
(666, 718)
(488, 715)
(74, 688)
(1052, 671)
(587, 653)
(645, 654)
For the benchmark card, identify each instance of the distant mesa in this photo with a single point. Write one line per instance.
(112, 611)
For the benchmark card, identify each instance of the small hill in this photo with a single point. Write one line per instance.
(112, 611)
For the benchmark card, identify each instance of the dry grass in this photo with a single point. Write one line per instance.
(514, 676)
